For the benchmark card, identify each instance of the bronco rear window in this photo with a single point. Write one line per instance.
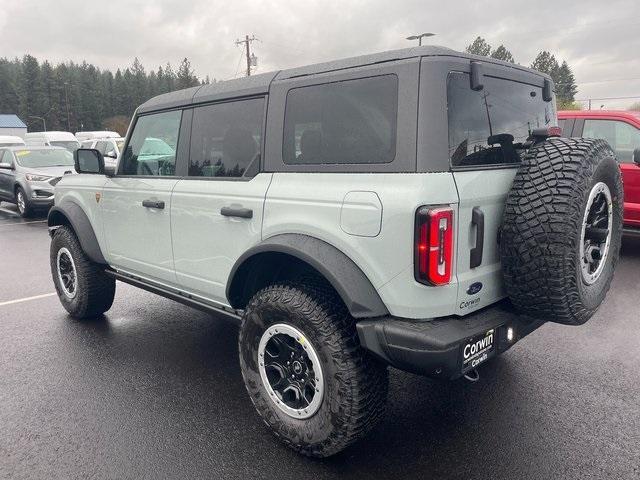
(487, 127)
(347, 122)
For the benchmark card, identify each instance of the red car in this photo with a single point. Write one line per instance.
(622, 130)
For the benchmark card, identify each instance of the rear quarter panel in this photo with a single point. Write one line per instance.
(312, 204)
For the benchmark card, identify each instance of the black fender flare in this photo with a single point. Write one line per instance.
(70, 213)
(349, 281)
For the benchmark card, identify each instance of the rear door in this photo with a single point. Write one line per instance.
(624, 138)
(137, 201)
(486, 127)
(216, 211)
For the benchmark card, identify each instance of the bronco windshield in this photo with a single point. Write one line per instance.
(488, 126)
(44, 158)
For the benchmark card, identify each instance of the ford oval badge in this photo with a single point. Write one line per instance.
(474, 288)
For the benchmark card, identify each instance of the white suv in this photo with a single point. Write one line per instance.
(408, 208)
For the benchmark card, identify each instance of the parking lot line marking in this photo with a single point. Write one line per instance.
(27, 299)
(21, 223)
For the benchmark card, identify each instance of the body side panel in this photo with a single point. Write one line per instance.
(310, 204)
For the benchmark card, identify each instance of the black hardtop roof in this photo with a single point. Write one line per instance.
(259, 84)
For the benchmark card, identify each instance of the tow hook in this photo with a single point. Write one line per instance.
(472, 375)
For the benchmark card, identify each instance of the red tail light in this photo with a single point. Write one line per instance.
(433, 245)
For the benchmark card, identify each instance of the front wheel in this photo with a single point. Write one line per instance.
(307, 375)
(84, 289)
(22, 202)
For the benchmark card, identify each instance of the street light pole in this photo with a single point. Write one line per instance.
(420, 37)
(44, 123)
(66, 94)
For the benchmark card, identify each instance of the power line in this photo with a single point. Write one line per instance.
(607, 98)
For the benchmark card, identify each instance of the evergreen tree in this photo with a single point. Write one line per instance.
(30, 92)
(501, 53)
(545, 63)
(565, 83)
(479, 47)
(94, 98)
(185, 77)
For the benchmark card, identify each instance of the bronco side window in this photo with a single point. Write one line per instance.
(347, 122)
(226, 139)
(151, 151)
(487, 127)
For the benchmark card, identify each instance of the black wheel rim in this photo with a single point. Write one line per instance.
(291, 371)
(596, 233)
(67, 273)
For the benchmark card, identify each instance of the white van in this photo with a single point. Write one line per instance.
(82, 136)
(53, 139)
(10, 141)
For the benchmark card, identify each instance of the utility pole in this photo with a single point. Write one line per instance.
(251, 59)
(66, 94)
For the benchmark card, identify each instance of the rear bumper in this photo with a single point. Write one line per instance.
(434, 347)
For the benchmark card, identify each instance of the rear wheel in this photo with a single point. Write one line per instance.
(305, 371)
(83, 287)
(562, 229)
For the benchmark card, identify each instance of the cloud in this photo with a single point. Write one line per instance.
(597, 39)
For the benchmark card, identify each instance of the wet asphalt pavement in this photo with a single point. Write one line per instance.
(153, 390)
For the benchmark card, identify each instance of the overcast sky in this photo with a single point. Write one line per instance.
(598, 38)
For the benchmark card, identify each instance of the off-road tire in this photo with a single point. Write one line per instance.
(355, 385)
(28, 210)
(94, 289)
(541, 232)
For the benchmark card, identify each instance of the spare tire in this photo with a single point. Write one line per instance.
(562, 229)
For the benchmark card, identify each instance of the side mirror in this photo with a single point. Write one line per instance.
(6, 166)
(111, 154)
(636, 156)
(88, 160)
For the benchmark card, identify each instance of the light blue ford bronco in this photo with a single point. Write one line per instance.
(413, 208)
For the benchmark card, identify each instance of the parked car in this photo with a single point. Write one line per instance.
(110, 148)
(10, 141)
(28, 175)
(352, 215)
(53, 139)
(82, 136)
(621, 129)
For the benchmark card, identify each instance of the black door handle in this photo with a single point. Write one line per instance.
(236, 212)
(477, 219)
(153, 204)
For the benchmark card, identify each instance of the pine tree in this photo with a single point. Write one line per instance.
(501, 53)
(565, 83)
(479, 47)
(93, 97)
(545, 63)
(30, 93)
(139, 83)
(185, 77)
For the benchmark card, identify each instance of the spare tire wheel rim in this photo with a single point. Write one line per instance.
(67, 275)
(595, 239)
(290, 371)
